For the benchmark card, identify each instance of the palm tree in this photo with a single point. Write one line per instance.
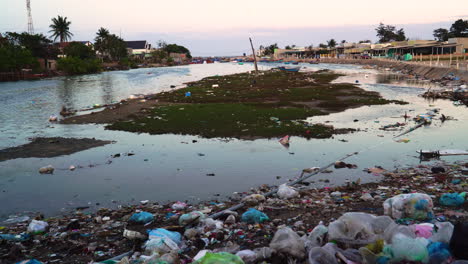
(60, 28)
(102, 33)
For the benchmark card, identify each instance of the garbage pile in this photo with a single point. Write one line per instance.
(458, 94)
(414, 215)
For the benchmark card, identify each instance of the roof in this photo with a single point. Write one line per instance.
(136, 44)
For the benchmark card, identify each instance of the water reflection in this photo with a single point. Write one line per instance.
(168, 167)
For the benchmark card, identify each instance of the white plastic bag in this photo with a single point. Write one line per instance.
(286, 192)
(288, 242)
(160, 245)
(358, 229)
(37, 226)
(248, 256)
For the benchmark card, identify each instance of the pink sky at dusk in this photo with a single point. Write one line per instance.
(192, 20)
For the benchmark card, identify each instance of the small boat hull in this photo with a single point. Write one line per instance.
(289, 69)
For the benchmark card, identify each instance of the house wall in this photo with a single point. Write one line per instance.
(463, 44)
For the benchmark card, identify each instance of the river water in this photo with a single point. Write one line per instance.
(168, 167)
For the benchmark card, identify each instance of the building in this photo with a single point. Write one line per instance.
(47, 64)
(138, 47)
(461, 45)
(178, 58)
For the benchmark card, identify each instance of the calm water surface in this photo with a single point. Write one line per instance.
(168, 167)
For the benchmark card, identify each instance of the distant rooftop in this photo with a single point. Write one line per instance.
(136, 44)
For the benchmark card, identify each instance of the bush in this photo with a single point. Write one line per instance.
(74, 65)
(128, 63)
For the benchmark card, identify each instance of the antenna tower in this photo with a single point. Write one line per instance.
(30, 22)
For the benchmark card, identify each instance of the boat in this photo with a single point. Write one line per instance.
(295, 62)
(286, 62)
(313, 62)
(289, 69)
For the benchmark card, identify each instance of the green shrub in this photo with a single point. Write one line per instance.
(74, 65)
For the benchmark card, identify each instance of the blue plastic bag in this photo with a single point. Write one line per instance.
(163, 233)
(452, 199)
(438, 252)
(142, 217)
(253, 216)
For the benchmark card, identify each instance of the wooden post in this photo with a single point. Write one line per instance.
(450, 63)
(255, 57)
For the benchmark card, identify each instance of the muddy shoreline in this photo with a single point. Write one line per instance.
(221, 106)
(82, 237)
(42, 147)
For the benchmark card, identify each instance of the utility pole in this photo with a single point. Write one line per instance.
(255, 57)
(30, 22)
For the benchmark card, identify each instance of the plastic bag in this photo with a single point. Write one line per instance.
(288, 242)
(179, 206)
(407, 248)
(191, 218)
(423, 230)
(327, 254)
(263, 253)
(253, 216)
(415, 205)
(211, 224)
(248, 256)
(37, 227)
(141, 218)
(317, 236)
(319, 255)
(253, 199)
(442, 233)
(358, 229)
(286, 192)
(163, 233)
(438, 252)
(393, 230)
(17, 238)
(219, 258)
(452, 199)
(160, 245)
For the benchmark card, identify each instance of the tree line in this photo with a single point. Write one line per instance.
(22, 50)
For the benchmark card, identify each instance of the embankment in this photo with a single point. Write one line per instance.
(426, 71)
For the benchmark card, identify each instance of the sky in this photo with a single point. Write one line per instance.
(222, 27)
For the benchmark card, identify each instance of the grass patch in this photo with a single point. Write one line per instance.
(236, 120)
(244, 105)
